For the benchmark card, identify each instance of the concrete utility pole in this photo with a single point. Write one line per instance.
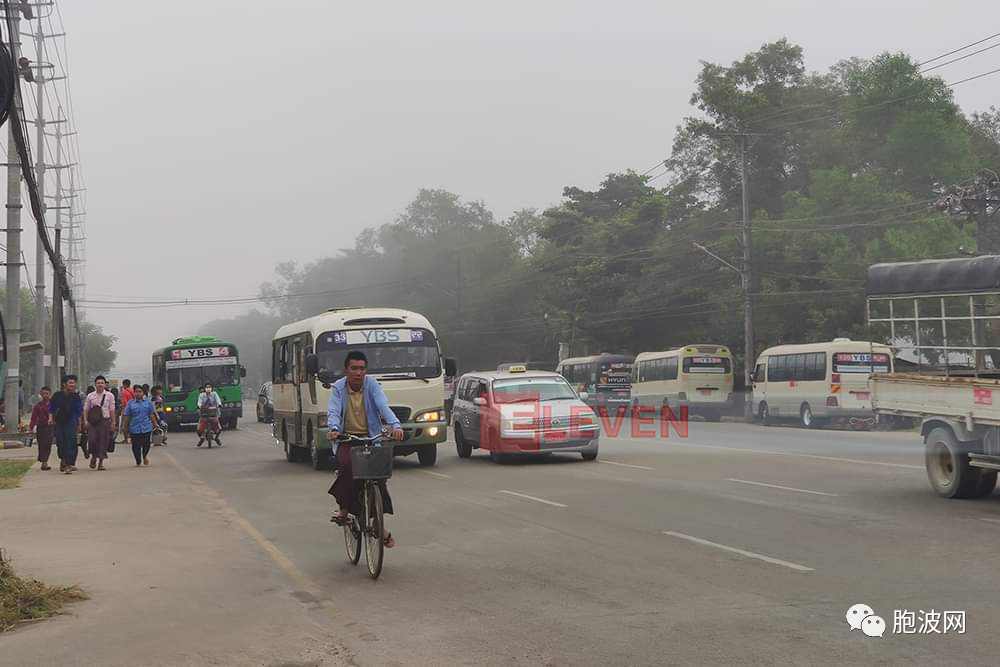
(12, 317)
(40, 259)
(745, 270)
(748, 347)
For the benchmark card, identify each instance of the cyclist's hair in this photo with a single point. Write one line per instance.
(355, 355)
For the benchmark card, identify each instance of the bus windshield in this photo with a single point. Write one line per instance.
(404, 352)
(187, 378)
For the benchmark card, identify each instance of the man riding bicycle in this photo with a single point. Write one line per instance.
(358, 406)
(209, 408)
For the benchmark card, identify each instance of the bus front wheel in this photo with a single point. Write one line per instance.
(427, 455)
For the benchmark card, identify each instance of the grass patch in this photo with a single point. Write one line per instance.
(23, 600)
(12, 470)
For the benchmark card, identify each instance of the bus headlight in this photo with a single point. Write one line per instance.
(430, 416)
(169, 408)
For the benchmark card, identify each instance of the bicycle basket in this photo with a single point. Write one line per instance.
(371, 463)
(208, 412)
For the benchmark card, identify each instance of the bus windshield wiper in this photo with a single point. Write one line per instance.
(397, 376)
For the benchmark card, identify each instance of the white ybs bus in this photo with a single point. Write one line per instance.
(403, 355)
(698, 376)
(817, 382)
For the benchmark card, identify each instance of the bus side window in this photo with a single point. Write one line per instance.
(277, 372)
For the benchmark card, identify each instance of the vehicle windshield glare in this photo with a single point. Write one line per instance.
(417, 357)
(527, 390)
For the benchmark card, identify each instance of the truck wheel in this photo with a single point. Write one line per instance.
(806, 417)
(948, 468)
(463, 447)
(763, 414)
(427, 455)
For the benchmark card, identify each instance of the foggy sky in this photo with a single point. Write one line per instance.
(219, 137)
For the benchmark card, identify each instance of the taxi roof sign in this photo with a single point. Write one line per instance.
(518, 369)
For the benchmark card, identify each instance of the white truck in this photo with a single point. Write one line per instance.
(942, 318)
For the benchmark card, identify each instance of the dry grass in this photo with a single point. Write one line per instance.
(12, 470)
(23, 600)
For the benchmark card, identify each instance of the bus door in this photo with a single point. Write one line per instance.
(298, 374)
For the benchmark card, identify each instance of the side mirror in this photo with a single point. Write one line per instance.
(450, 367)
(479, 400)
(584, 395)
(312, 364)
(243, 371)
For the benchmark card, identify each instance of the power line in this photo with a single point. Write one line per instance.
(963, 48)
(955, 60)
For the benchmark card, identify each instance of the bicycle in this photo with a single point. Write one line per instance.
(373, 464)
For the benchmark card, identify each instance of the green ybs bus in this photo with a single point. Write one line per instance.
(184, 366)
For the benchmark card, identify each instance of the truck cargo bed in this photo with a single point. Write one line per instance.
(920, 395)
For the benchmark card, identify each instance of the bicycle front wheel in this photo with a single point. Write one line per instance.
(352, 539)
(374, 546)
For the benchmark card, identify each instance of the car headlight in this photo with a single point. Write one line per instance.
(430, 416)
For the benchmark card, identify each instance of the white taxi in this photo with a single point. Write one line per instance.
(518, 411)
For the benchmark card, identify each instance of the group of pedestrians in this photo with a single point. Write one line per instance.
(90, 422)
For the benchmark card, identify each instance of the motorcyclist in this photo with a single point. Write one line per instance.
(209, 408)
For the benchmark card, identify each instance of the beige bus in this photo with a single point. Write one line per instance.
(403, 355)
(817, 382)
(698, 376)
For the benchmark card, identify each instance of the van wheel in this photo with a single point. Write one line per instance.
(948, 468)
(427, 455)
(806, 417)
(764, 414)
(463, 447)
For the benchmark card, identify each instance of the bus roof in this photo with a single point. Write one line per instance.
(835, 345)
(604, 356)
(696, 348)
(355, 318)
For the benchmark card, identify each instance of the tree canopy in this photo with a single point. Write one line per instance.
(844, 168)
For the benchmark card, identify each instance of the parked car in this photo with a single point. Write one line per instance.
(265, 404)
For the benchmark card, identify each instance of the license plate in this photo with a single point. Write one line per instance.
(705, 392)
(862, 395)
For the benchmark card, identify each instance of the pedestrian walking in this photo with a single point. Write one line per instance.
(126, 394)
(100, 409)
(43, 428)
(161, 414)
(66, 414)
(138, 420)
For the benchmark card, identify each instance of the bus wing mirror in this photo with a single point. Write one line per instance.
(243, 371)
(312, 364)
(479, 400)
(450, 367)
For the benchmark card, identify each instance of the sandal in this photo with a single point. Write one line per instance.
(389, 541)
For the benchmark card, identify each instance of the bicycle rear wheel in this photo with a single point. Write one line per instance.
(374, 546)
(352, 539)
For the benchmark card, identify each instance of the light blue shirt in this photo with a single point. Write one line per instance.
(377, 408)
(140, 415)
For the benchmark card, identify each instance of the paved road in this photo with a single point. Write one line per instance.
(738, 544)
